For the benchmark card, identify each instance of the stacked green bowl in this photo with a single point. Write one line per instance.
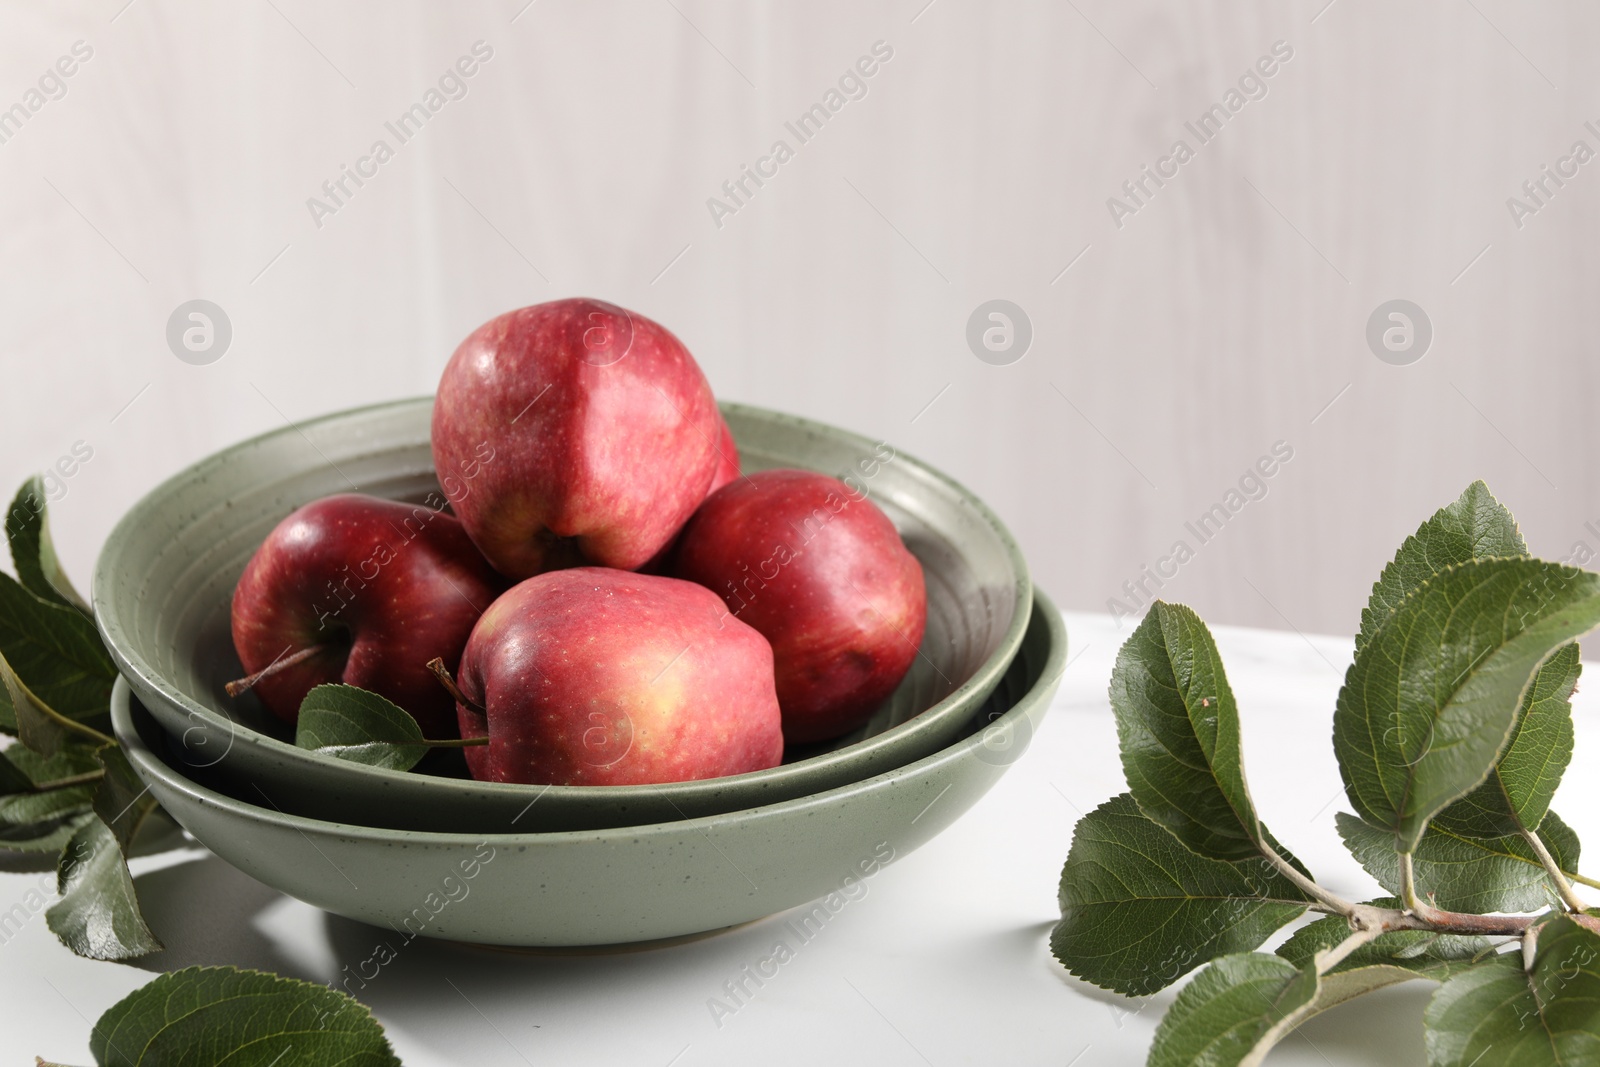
(570, 865)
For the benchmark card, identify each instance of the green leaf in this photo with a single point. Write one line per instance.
(34, 555)
(45, 835)
(45, 822)
(1138, 910)
(56, 651)
(33, 552)
(1475, 526)
(1517, 792)
(1515, 795)
(1234, 1012)
(98, 913)
(1237, 1009)
(74, 759)
(1406, 953)
(39, 726)
(1178, 730)
(202, 1016)
(363, 727)
(1504, 1014)
(25, 809)
(121, 800)
(1431, 700)
(1467, 873)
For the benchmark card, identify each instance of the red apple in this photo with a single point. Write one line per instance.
(822, 573)
(355, 589)
(590, 433)
(594, 676)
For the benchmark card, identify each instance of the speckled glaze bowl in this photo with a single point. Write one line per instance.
(628, 884)
(163, 584)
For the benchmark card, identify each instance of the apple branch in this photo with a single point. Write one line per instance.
(1457, 922)
(282, 663)
(1417, 914)
(1426, 917)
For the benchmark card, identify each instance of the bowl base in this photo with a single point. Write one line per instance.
(623, 948)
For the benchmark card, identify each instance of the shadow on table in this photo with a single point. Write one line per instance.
(203, 911)
(206, 913)
(440, 987)
(420, 978)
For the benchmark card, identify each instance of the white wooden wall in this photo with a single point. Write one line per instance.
(1224, 316)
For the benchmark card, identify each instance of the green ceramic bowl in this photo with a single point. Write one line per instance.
(165, 578)
(628, 884)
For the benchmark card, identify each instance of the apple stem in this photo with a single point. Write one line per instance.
(441, 672)
(282, 663)
(456, 742)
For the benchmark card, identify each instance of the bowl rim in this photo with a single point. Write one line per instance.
(148, 764)
(132, 664)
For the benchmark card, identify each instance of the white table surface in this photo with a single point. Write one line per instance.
(944, 961)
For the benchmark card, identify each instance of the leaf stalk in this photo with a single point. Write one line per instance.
(1331, 958)
(1569, 896)
(456, 742)
(1408, 883)
(72, 724)
(1583, 880)
(67, 783)
(1331, 901)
